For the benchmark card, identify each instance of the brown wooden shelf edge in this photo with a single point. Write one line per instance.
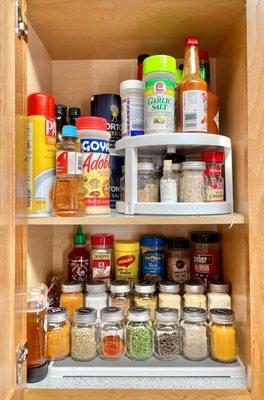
(131, 394)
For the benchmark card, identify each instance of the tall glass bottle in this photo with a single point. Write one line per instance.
(213, 100)
(68, 193)
(36, 332)
(192, 92)
(61, 120)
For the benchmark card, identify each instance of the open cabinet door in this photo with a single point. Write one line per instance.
(12, 203)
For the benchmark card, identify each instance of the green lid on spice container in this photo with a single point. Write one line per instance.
(159, 63)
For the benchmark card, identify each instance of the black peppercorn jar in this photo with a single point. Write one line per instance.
(167, 337)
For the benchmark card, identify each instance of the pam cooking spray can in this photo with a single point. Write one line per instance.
(41, 149)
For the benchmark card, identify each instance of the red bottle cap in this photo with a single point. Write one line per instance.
(203, 55)
(40, 104)
(213, 156)
(191, 41)
(102, 239)
(95, 123)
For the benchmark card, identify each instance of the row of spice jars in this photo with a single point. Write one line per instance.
(139, 339)
(153, 258)
(122, 295)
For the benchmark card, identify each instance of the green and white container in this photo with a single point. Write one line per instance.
(159, 94)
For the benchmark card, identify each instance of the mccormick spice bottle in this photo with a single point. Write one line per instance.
(206, 257)
(192, 92)
(214, 182)
(101, 258)
(78, 258)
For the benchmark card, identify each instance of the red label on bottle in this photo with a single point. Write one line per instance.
(101, 266)
(205, 266)
(125, 261)
(212, 170)
(78, 269)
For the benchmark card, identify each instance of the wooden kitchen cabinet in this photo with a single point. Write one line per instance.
(76, 49)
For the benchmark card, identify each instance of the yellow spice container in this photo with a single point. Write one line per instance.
(223, 339)
(126, 256)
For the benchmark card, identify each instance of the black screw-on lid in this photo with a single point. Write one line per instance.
(178, 243)
(142, 57)
(37, 374)
(74, 112)
(205, 237)
(60, 109)
(175, 158)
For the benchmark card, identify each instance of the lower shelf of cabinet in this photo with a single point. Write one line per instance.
(152, 367)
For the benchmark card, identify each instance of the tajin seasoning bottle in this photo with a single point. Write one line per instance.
(192, 92)
(212, 98)
(78, 258)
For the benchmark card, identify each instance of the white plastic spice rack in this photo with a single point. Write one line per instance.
(192, 143)
(152, 367)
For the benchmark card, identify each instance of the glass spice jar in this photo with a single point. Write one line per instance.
(218, 295)
(194, 295)
(147, 191)
(121, 296)
(139, 334)
(96, 296)
(101, 258)
(58, 334)
(71, 297)
(112, 333)
(145, 296)
(169, 296)
(84, 339)
(178, 259)
(206, 257)
(167, 334)
(214, 182)
(223, 338)
(194, 334)
(192, 182)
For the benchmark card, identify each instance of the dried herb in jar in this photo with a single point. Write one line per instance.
(139, 334)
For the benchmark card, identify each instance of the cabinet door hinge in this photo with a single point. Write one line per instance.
(21, 356)
(21, 26)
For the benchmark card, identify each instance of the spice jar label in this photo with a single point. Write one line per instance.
(68, 162)
(101, 266)
(178, 270)
(194, 111)
(153, 265)
(205, 265)
(79, 269)
(126, 267)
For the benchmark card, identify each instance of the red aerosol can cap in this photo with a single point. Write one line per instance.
(40, 104)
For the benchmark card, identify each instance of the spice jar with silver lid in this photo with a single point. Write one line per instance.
(112, 333)
(169, 296)
(167, 334)
(58, 334)
(121, 295)
(223, 337)
(139, 334)
(192, 182)
(194, 295)
(146, 191)
(71, 297)
(145, 296)
(194, 334)
(96, 296)
(84, 334)
(218, 295)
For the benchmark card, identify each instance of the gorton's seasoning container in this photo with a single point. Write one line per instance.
(178, 260)
(126, 253)
(96, 173)
(206, 256)
(108, 106)
(153, 258)
(101, 258)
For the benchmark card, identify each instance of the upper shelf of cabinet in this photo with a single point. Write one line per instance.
(103, 29)
(119, 219)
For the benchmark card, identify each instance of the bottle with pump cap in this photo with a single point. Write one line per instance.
(78, 258)
(192, 92)
(168, 184)
(68, 194)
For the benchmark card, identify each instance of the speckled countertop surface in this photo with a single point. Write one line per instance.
(141, 383)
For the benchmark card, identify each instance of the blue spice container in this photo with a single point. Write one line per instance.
(152, 249)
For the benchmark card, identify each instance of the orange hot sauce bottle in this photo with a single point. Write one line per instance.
(192, 92)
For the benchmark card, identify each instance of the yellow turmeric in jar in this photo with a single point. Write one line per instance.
(71, 297)
(223, 337)
(58, 334)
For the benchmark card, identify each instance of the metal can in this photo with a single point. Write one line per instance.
(108, 106)
(41, 148)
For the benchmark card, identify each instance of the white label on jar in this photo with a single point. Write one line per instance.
(132, 116)
(159, 105)
(194, 108)
(168, 191)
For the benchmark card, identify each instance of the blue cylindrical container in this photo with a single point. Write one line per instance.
(152, 250)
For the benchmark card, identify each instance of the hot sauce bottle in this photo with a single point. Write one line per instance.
(192, 92)
(78, 258)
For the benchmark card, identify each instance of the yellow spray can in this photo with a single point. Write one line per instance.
(41, 150)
